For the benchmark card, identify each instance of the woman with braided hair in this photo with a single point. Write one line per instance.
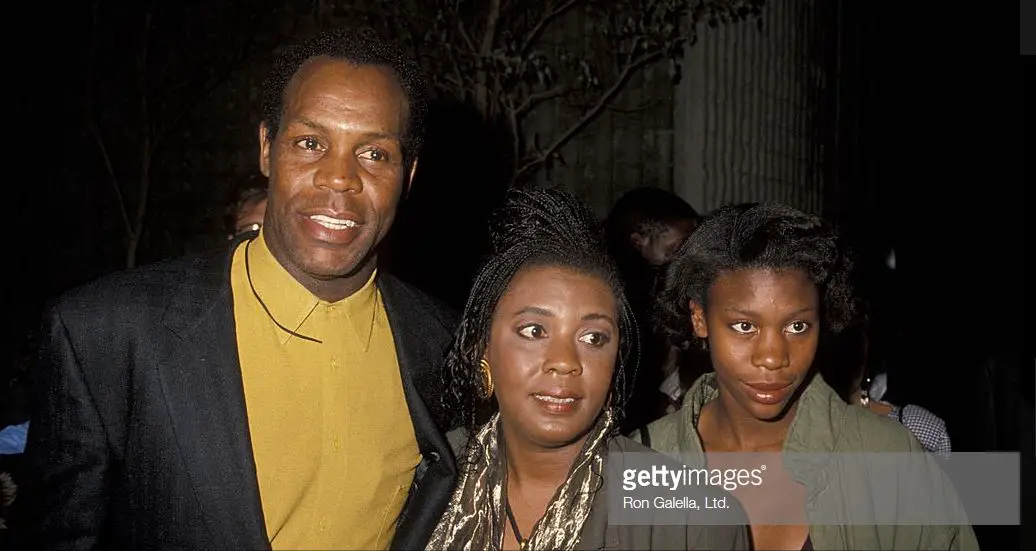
(536, 384)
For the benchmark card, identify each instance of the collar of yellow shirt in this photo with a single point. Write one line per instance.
(291, 304)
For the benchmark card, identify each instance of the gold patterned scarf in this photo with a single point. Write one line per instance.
(473, 518)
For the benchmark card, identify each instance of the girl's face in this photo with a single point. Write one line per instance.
(763, 328)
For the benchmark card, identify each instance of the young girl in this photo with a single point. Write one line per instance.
(759, 286)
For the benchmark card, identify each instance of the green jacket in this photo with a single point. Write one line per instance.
(823, 423)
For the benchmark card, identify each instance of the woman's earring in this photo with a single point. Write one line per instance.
(865, 394)
(487, 377)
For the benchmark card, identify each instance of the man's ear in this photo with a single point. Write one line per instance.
(265, 144)
(701, 328)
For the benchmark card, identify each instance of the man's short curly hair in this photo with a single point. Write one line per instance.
(752, 236)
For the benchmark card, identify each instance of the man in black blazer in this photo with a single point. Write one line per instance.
(142, 436)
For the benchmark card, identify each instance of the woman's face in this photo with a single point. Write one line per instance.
(552, 348)
(763, 328)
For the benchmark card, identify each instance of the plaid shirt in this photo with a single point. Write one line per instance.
(929, 429)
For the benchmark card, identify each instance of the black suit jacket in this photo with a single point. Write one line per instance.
(140, 435)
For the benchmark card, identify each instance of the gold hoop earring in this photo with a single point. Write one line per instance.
(487, 377)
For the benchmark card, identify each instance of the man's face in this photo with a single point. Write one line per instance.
(335, 168)
(659, 247)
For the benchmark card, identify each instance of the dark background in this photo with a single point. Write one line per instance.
(941, 171)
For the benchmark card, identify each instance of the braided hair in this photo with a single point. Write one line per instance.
(534, 228)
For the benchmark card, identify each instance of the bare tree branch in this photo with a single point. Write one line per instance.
(537, 98)
(643, 106)
(517, 141)
(455, 80)
(492, 19)
(542, 24)
(627, 72)
(145, 157)
(481, 70)
(113, 178)
(464, 34)
(95, 132)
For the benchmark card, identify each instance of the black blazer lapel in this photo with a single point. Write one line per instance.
(201, 380)
(422, 331)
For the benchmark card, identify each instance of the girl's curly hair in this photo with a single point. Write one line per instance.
(756, 235)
